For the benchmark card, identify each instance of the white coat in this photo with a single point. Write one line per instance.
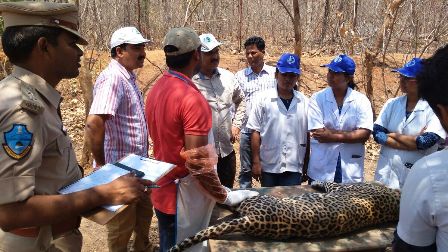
(283, 132)
(323, 112)
(391, 169)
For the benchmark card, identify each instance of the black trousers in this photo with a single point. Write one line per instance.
(227, 169)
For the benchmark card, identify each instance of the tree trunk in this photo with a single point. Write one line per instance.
(325, 21)
(297, 28)
(85, 81)
(240, 24)
(371, 55)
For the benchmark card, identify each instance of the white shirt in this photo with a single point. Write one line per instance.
(424, 203)
(221, 94)
(391, 169)
(323, 112)
(251, 84)
(283, 132)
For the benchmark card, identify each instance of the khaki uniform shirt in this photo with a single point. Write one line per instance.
(223, 95)
(36, 155)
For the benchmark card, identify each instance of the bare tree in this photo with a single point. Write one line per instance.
(370, 55)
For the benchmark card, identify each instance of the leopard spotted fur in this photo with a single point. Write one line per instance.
(342, 208)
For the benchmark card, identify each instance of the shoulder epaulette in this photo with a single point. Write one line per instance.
(30, 99)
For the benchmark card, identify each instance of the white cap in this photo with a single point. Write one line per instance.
(127, 35)
(208, 42)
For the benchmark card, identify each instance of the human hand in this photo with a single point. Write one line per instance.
(124, 190)
(235, 134)
(256, 170)
(236, 197)
(423, 130)
(323, 135)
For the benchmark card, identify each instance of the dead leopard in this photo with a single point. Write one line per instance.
(343, 208)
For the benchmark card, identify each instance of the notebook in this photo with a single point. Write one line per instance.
(149, 169)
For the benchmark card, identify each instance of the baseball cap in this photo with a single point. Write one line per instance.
(411, 69)
(289, 63)
(208, 42)
(127, 35)
(182, 39)
(62, 15)
(342, 64)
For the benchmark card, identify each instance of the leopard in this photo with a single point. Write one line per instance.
(335, 209)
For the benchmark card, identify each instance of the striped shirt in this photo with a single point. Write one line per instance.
(116, 94)
(251, 84)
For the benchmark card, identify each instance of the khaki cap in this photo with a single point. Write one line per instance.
(185, 39)
(60, 15)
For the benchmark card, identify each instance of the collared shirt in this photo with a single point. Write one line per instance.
(115, 93)
(222, 94)
(283, 132)
(251, 84)
(356, 113)
(45, 160)
(175, 108)
(424, 203)
(391, 168)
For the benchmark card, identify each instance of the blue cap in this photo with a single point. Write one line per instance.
(411, 69)
(342, 64)
(289, 63)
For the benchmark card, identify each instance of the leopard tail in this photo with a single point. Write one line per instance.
(235, 225)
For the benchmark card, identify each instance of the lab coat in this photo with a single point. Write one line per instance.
(283, 132)
(391, 169)
(323, 112)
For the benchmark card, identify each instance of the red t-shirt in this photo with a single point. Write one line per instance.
(174, 108)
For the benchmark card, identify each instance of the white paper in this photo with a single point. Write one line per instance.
(153, 170)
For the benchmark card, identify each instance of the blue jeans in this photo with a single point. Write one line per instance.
(246, 161)
(167, 230)
(280, 179)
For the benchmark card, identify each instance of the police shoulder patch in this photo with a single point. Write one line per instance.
(29, 99)
(17, 141)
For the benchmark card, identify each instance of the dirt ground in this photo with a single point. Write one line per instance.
(313, 78)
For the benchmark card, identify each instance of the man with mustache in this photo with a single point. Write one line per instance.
(37, 157)
(252, 80)
(221, 93)
(116, 127)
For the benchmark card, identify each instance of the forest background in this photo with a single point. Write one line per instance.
(379, 34)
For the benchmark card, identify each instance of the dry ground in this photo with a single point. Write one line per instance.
(313, 79)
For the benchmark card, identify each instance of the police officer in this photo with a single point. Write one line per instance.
(36, 155)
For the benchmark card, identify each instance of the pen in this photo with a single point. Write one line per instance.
(153, 186)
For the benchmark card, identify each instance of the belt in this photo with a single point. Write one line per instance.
(56, 229)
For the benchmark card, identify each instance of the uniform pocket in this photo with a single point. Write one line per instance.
(269, 154)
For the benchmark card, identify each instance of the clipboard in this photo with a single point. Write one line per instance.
(145, 168)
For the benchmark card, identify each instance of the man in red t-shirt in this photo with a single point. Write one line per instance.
(178, 117)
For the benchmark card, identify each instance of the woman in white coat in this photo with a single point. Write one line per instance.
(406, 128)
(340, 120)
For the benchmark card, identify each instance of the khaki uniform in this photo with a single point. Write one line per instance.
(37, 157)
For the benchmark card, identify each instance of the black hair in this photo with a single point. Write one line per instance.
(113, 51)
(257, 41)
(178, 61)
(19, 41)
(351, 82)
(432, 81)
